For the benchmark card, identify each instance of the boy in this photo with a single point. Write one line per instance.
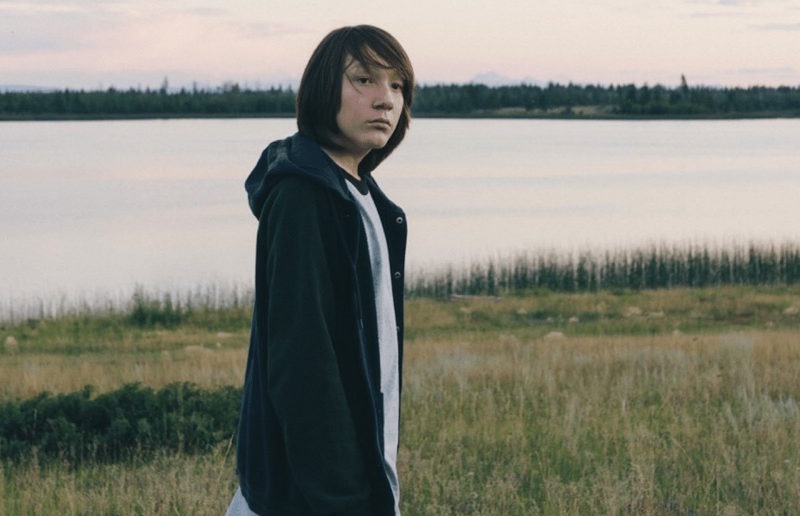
(318, 430)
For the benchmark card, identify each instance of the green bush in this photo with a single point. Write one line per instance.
(149, 312)
(115, 425)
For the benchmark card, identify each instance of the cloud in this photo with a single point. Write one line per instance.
(732, 3)
(736, 4)
(204, 11)
(718, 14)
(718, 8)
(117, 30)
(23, 8)
(714, 2)
(785, 71)
(755, 10)
(27, 29)
(258, 30)
(782, 27)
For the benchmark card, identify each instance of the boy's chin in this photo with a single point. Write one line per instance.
(379, 143)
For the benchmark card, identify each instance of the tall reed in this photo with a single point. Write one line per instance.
(143, 307)
(653, 267)
(644, 268)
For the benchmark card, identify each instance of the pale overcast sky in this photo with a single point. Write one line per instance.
(123, 43)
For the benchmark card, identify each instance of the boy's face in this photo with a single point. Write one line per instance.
(372, 101)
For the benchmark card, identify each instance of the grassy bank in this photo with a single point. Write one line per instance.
(167, 484)
(208, 347)
(702, 424)
(656, 402)
(649, 267)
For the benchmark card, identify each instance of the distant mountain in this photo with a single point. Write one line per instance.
(18, 88)
(492, 78)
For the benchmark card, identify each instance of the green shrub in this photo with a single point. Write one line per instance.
(148, 311)
(115, 425)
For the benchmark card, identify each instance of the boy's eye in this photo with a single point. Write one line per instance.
(363, 80)
(397, 85)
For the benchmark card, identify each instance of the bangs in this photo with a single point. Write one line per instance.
(379, 55)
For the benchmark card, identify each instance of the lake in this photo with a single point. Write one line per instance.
(100, 206)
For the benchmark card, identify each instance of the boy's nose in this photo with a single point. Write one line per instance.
(384, 98)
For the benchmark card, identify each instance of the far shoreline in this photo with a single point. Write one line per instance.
(478, 115)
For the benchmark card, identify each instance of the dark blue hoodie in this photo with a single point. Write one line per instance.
(310, 435)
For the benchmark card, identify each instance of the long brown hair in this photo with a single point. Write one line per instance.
(319, 96)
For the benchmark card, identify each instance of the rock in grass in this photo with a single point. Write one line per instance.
(554, 335)
(11, 345)
(194, 350)
(631, 311)
(792, 310)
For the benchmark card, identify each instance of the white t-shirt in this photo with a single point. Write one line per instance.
(387, 332)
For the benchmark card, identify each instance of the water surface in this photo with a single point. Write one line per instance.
(102, 206)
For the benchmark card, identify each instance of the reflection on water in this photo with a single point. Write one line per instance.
(106, 205)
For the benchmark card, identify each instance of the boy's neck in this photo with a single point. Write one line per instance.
(348, 162)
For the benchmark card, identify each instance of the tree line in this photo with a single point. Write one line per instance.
(442, 100)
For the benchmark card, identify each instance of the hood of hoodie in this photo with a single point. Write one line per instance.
(296, 154)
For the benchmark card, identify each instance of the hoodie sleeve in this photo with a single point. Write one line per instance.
(304, 380)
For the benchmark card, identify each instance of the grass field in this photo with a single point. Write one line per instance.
(681, 401)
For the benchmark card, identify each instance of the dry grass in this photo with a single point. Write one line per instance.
(622, 415)
(654, 425)
(168, 484)
(27, 375)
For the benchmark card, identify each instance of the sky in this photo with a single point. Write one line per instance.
(93, 44)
